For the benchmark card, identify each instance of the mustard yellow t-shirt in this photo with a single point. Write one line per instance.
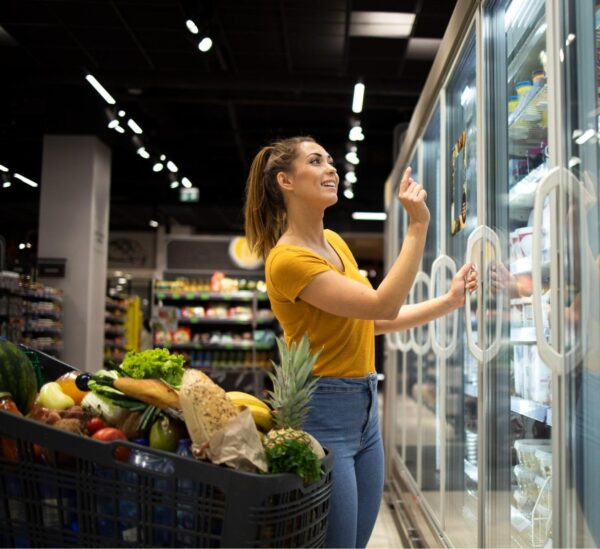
(348, 343)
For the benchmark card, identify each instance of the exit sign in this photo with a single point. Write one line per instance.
(189, 195)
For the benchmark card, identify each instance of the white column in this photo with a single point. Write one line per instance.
(74, 208)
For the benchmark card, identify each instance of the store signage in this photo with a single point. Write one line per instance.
(241, 255)
(189, 195)
(51, 267)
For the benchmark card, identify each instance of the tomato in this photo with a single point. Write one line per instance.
(8, 446)
(68, 386)
(107, 434)
(94, 424)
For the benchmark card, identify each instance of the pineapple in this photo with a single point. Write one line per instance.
(287, 446)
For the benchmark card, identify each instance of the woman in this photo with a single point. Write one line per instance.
(315, 287)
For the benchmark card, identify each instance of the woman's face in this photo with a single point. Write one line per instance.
(313, 176)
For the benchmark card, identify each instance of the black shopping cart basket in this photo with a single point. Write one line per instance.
(84, 497)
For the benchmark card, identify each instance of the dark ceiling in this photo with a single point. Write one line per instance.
(277, 68)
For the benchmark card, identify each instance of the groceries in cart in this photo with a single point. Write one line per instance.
(152, 399)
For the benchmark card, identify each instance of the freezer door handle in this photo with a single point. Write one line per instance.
(403, 345)
(547, 185)
(420, 348)
(483, 233)
(441, 263)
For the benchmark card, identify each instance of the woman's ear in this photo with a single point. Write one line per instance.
(284, 182)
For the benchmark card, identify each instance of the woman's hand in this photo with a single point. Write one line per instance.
(413, 198)
(464, 280)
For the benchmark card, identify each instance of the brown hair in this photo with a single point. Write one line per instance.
(264, 211)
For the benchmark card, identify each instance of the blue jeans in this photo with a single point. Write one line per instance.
(344, 418)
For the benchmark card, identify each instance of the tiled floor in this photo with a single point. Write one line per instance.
(385, 535)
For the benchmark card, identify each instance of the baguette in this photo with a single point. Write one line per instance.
(151, 391)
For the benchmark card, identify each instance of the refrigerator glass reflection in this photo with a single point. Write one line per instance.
(581, 243)
(431, 420)
(461, 369)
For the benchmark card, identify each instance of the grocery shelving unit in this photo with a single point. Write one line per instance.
(114, 329)
(229, 333)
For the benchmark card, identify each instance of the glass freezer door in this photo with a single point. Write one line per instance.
(521, 397)
(461, 499)
(580, 212)
(430, 387)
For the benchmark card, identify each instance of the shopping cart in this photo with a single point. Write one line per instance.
(79, 495)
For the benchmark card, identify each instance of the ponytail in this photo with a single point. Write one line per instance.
(264, 211)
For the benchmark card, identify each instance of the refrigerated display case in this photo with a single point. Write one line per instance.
(507, 456)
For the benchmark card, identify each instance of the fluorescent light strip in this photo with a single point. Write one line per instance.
(3, 168)
(134, 126)
(369, 216)
(100, 89)
(357, 100)
(25, 180)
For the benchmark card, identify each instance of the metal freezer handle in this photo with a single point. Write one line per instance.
(420, 349)
(443, 262)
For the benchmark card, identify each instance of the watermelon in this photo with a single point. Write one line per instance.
(17, 376)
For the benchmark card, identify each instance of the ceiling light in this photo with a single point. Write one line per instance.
(134, 126)
(205, 44)
(186, 183)
(3, 168)
(191, 26)
(25, 180)
(122, 280)
(381, 24)
(350, 177)
(174, 184)
(356, 134)
(357, 99)
(119, 129)
(352, 157)
(157, 167)
(22, 246)
(153, 223)
(143, 152)
(172, 166)
(349, 193)
(121, 113)
(163, 157)
(6, 184)
(28, 245)
(113, 124)
(100, 89)
(369, 216)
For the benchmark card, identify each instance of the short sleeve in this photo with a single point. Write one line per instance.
(289, 271)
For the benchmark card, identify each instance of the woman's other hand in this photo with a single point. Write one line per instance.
(464, 280)
(414, 199)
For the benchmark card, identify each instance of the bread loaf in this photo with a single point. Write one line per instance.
(206, 407)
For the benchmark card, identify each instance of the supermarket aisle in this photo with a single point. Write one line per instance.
(385, 535)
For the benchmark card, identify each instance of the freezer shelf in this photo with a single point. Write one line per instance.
(531, 409)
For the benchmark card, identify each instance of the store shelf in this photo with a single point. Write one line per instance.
(518, 520)
(213, 321)
(214, 346)
(242, 295)
(53, 298)
(115, 319)
(531, 409)
(524, 334)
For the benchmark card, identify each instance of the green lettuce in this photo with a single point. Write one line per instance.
(154, 363)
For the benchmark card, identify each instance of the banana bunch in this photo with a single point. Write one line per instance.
(261, 413)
